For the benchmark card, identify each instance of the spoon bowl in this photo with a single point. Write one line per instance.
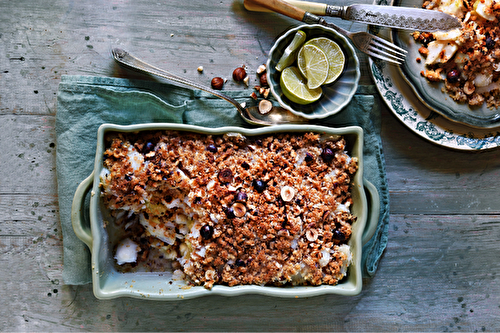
(251, 115)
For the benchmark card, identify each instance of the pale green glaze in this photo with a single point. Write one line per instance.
(108, 283)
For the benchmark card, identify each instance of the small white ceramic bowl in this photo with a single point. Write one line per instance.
(335, 95)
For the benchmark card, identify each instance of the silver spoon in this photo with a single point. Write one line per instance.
(277, 115)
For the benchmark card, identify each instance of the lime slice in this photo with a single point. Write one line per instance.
(290, 53)
(336, 57)
(295, 88)
(313, 64)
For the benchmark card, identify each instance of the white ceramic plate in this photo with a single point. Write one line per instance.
(406, 106)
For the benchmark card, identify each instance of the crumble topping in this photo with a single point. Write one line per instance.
(265, 210)
(467, 60)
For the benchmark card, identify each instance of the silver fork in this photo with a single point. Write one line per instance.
(372, 45)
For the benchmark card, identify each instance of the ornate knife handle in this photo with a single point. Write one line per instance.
(335, 11)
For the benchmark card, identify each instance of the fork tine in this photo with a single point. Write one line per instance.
(382, 52)
(377, 55)
(382, 43)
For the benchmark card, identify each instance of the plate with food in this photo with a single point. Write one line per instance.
(415, 113)
(457, 72)
(180, 211)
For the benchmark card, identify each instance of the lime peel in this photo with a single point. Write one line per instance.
(290, 53)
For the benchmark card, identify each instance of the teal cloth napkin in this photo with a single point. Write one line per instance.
(86, 102)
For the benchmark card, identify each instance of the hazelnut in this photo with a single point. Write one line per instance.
(287, 193)
(312, 235)
(253, 95)
(246, 80)
(263, 81)
(469, 87)
(239, 209)
(265, 106)
(239, 74)
(261, 69)
(217, 83)
(266, 92)
(210, 274)
(225, 175)
(200, 69)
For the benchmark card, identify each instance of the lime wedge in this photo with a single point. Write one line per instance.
(290, 53)
(336, 57)
(294, 87)
(313, 64)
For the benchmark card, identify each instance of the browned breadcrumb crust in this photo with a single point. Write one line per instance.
(265, 210)
(478, 54)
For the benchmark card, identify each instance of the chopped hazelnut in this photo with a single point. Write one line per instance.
(263, 80)
(287, 193)
(469, 87)
(239, 209)
(225, 175)
(423, 50)
(265, 106)
(312, 235)
(210, 274)
(261, 69)
(200, 69)
(266, 92)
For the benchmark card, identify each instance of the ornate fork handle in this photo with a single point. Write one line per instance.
(125, 58)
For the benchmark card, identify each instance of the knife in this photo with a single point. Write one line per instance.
(407, 18)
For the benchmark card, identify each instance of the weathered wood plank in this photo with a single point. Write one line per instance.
(46, 42)
(439, 272)
(436, 274)
(28, 163)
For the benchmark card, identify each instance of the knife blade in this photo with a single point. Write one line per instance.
(417, 19)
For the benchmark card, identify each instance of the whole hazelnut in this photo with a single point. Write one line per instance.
(239, 74)
(263, 80)
(217, 83)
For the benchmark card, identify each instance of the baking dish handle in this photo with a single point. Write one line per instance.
(373, 211)
(77, 211)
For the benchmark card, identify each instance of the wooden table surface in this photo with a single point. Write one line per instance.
(441, 268)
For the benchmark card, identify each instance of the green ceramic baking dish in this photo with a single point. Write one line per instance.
(109, 283)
